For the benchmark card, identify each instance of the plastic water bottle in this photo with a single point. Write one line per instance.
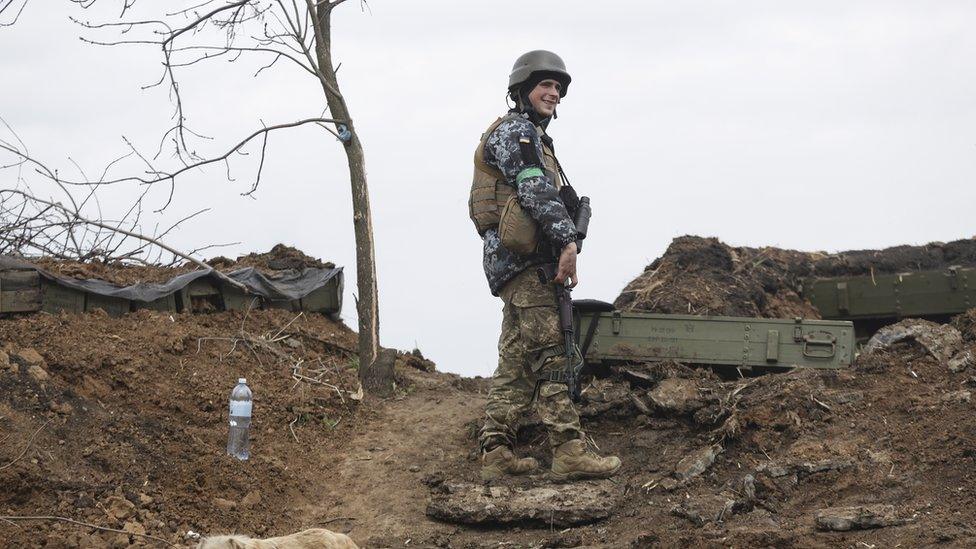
(239, 440)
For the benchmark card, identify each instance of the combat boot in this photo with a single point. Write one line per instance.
(502, 461)
(573, 460)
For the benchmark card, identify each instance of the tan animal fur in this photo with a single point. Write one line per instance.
(315, 538)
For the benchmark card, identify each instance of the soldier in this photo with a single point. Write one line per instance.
(521, 205)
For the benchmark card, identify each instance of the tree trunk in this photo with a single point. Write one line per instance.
(368, 304)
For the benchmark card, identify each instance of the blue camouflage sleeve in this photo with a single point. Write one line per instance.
(536, 194)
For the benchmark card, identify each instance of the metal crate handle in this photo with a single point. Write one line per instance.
(819, 344)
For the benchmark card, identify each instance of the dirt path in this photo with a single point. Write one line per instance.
(379, 481)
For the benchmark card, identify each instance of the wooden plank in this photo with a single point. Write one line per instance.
(326, 299)
(20, 291)
(56, 298)
(14, 280)
(114, 306)
(202, 296)
(236, 300)
(163, 304)
(21, 301)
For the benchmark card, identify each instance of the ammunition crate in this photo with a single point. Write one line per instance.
(893, 296)
(715, 340)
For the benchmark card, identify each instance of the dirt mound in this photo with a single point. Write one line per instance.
(279, 258)
(120, 422)
(704, 276)
(898, 259)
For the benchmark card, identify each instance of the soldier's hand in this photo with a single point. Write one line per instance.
(566, 271)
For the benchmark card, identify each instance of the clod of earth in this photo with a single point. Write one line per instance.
(697, 463)
(676, 395)
(29, 357)
(702, 510)
(118, 508)
(558, 505)
(961, 361)
(861, 517)
(961, 397)
(39, 374)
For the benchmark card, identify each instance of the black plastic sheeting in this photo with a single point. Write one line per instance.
(292, 285)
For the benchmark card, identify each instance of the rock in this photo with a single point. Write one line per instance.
(5, 362)
(676, 395)
(696, 463)
(961, 361)
(703, 510)
(118, 541)
(861, 517)
(61, 407)
(37, 373)
(224, 504)
(606, 397)
(959, 397)
(669, 484)
(118, 508)
(29, 357)
(942, 341)
(145, 499)
(558, 505)
(251, 499)
(133, 527)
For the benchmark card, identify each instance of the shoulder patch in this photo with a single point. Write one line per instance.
(530, 155)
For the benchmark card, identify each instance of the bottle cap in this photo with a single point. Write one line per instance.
(242, 380)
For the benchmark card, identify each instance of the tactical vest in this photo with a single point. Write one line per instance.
(490, 193)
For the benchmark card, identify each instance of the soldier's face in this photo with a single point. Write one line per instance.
(545, 96)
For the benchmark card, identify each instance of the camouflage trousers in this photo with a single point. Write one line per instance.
(530, 346)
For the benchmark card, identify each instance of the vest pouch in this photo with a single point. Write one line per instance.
(518, 231)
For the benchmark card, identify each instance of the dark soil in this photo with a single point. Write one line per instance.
(132, 410)
(136, 407)
(121, 423)
(279, 258)
(704, 276)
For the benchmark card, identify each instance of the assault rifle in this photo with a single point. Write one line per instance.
(564, 300)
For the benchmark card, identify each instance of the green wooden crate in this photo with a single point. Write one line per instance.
(326, 300)
(56, 298)
(20, 291)
(114, 306)
(716, 340)
(923, 293)
(163, 304)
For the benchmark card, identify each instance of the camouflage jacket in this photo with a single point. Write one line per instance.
(536, 194)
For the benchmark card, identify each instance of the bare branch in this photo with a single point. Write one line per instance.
(77, 217)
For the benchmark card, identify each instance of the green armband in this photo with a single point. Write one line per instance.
(527, 173)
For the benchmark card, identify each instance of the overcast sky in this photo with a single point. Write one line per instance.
(818, 126)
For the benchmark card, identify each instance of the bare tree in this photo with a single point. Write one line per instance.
(296, 32)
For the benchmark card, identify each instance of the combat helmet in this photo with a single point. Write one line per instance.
(542, 64)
